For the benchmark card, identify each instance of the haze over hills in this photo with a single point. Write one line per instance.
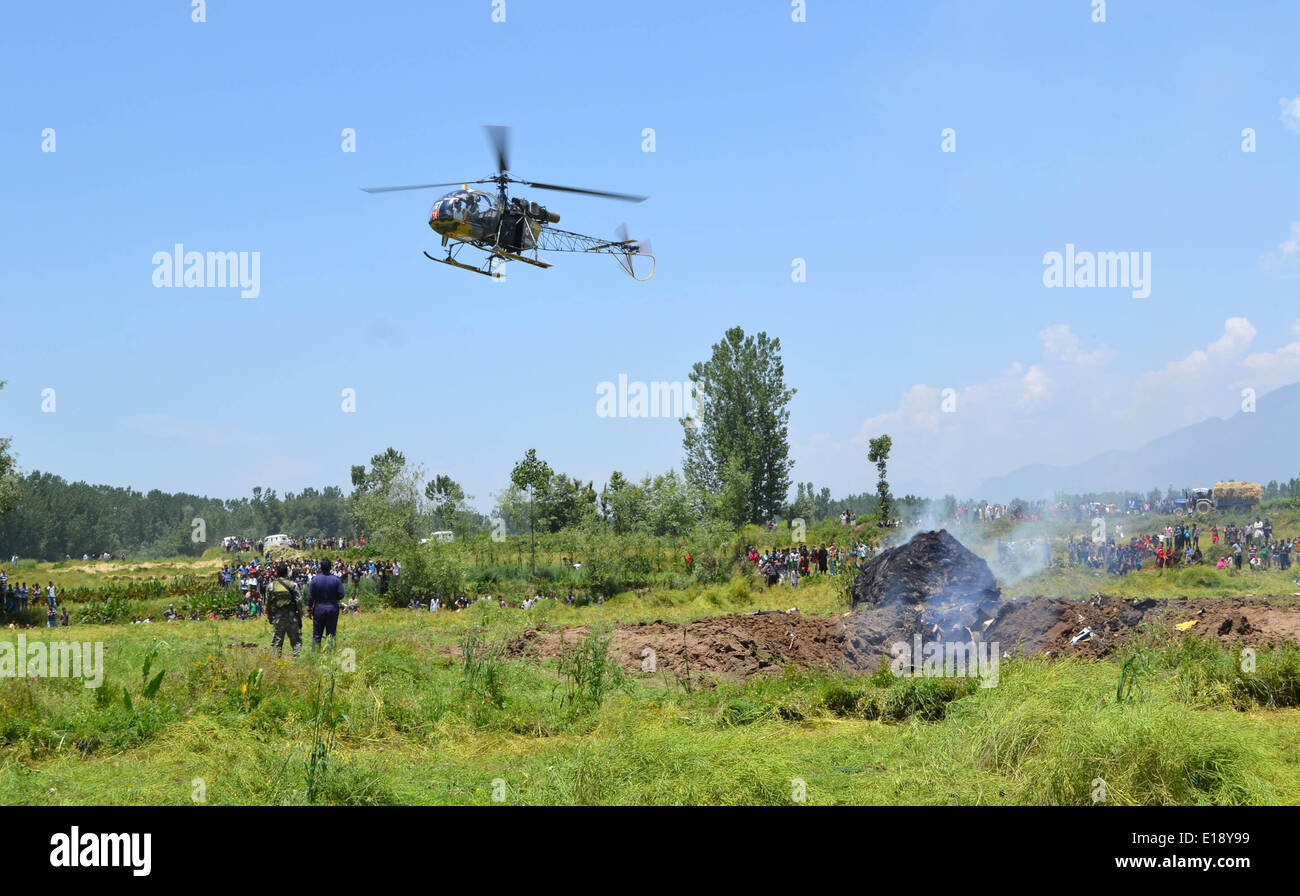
(1258, 446)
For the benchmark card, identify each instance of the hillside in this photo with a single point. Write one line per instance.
(1255, 446)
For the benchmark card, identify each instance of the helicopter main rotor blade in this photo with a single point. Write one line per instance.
(500, 137)
(626, 197)
(415, 187)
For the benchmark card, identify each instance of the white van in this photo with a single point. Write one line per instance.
(441, 535)
(277, 541)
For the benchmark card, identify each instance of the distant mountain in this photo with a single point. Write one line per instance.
(1258, 447)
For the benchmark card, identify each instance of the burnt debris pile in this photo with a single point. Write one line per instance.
(949, 588)
(932, 568)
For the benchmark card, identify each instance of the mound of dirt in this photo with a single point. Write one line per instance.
(727, 648)
(733, 648)
(933, 567)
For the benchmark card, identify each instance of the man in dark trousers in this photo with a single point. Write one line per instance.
(284, 611)
(325, 596)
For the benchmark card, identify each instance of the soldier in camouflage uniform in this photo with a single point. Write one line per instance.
(284, 611)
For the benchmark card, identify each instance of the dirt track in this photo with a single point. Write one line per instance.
(734, 648)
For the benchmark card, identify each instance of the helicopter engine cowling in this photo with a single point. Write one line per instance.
(541, 214)
(533, 210)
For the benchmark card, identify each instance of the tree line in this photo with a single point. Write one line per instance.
(52, 518)
(735, 470)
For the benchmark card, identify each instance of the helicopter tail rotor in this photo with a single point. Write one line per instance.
(642, 246)
(631, 251)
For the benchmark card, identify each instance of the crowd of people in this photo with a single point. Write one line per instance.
(1032, 511)
(464, 601)
(793, 563)
(254, 574)
(1237, 546)
(233, 544)
(16, 598)
(1020, 557)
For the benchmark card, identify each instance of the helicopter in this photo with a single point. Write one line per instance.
(511, 228)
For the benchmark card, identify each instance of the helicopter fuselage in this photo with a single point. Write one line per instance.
(474, 216)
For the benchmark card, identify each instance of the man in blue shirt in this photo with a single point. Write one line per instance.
(325, 596)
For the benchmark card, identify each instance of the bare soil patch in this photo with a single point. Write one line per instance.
(733, 648)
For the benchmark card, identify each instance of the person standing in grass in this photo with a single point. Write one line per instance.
(284, 611)
(325, 596)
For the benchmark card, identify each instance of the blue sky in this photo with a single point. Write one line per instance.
(775, 140)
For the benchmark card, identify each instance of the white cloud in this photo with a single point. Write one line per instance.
(1060, 343)
(1067, 407)
(1290, 248)
(1291, 113)
(1238, 333)
(1036, 388)
(1287, 253)
(1268, 370)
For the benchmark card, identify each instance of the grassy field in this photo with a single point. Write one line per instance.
(417, 708)
(396, 714)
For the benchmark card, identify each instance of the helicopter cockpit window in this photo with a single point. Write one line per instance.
(461, 205)
(452, 207)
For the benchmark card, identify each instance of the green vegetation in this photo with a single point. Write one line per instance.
(736, 445)
(413, 707)
(431, 709)
(9, 486)
(878, 454)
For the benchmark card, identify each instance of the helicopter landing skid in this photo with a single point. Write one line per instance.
(457, 264)
(513, 257)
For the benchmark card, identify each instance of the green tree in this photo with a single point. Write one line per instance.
(9, 485)
(448, 499)
(729, 505)
(742, 417)
(622, 505)
(385, 502)
(878, 453)
(669, 505)
(566, 503)
(822, 503)
(803, 507)
(532, 475)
